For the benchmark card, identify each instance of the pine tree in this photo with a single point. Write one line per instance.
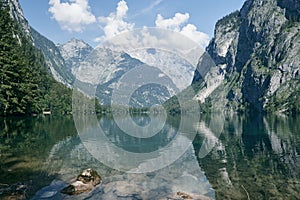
(22, 69)
(26, 87)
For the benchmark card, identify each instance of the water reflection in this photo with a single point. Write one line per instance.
(135, 144)
(184, 174)
(25, 144)
(256, 157)
(240, 157)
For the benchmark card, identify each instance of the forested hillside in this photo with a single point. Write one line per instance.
(26, 86)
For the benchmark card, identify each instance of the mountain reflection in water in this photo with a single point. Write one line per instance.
(232, 157)
(256, 157)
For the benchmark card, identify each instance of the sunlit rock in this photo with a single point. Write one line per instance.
(85, 182)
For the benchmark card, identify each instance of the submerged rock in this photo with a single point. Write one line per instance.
(16, 191)
(51, 191)
(85, 182)
(183, 196)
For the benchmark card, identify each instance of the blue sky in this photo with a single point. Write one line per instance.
(96, 20)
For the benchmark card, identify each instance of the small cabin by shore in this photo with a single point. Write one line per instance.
(48, 112)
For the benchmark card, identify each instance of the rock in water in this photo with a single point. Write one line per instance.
(183, 196)
(89, 176)
(85, 182)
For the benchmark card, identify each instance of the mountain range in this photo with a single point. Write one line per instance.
(103, 68)
(256, 52)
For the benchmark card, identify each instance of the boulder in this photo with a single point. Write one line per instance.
(85, 182)
(182, 196)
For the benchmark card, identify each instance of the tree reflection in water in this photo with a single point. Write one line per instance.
(256, 157)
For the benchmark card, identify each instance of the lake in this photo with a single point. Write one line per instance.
(218, 157)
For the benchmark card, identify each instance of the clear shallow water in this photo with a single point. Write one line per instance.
(256, 156)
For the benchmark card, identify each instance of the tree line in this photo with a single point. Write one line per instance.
(26, 86)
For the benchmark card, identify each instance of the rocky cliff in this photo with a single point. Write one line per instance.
(256, 50)
(16, 13)
(53, 58)
(74, 52)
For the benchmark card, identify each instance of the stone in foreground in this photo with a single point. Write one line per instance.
(85, 182)
(183, 196)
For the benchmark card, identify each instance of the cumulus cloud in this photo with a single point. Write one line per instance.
(115, 23)
(191, 31)
(72, 15)
(178, 24)
(174, 23)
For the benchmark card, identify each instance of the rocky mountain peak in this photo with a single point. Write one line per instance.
(257, 52)
(76, 43)
(16, 13)
(74, 52)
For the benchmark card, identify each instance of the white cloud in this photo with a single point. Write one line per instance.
(174, 23)
(191, 32)
(73, 15)
(177, 23)
(115, 23)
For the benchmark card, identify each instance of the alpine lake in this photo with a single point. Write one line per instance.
(230, 157)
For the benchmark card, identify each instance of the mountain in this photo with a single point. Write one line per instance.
(102, 68)
(28, 63)
(54, 60)
(74, 52)
(256, 51)
(134, 83)
(112, 67)
(178, 69)
(22, 78)
(16, 13)
(105, 69)
(74, 59)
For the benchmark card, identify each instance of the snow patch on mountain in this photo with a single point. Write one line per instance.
(74, 52)
(177, 68)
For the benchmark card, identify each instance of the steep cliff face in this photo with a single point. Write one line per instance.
(54, 60)
(257, 51)
(16, 13)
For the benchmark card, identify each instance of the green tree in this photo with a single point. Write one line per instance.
(26, 86)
